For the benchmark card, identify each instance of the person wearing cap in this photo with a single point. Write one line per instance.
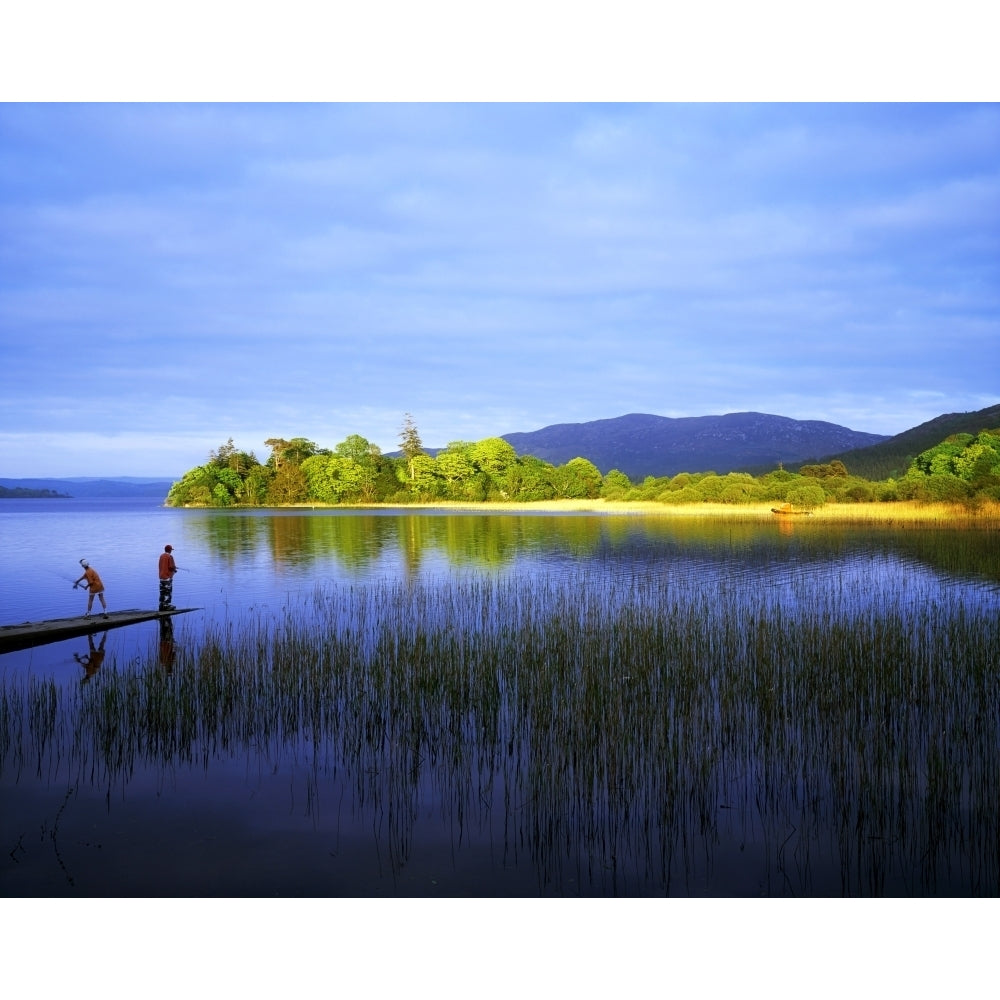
(95, 587)
(168, 569)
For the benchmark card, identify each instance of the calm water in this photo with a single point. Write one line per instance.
(484, 808)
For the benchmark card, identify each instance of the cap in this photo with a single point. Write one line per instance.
(84, 563)
(168, 548)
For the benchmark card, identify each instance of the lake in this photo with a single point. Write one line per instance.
(394, 703)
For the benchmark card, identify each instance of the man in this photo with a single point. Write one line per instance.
(168, 568)
(94, 586)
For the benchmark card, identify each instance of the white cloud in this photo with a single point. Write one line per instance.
(320, 270)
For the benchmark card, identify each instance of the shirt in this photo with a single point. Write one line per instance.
(167, 566)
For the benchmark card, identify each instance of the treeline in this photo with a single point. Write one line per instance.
(26, 493)
(963, 468)
(895, 456)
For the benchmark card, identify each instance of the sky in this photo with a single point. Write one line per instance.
(173, 275)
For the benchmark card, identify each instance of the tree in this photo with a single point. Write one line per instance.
(529, 478)
(425, 481)
(580, 479)
(808, 495)
(493, 455)
(194, 489)
(277, 446)
(454, 466)
(739, 487)
(256, 485)
(289, 485)
(299, 449)
(322, 474)
(834, 470)
(410, 443)
(616, 485)
(294, 452)
(939, 459)
(224, 455)
(357, 449)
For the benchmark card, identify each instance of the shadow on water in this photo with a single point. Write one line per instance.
(706, 722)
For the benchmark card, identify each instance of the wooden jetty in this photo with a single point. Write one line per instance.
(27, 634)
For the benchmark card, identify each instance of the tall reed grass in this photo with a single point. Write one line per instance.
(627, 734)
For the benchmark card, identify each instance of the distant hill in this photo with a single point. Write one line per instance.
(642, 444)
(127, 486)
(893, 456)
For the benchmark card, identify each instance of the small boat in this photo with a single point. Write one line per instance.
(28, 634)
(787, 510)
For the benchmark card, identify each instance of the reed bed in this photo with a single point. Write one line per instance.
(981, 513)
(630, 733)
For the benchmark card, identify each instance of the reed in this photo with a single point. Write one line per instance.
(610, 730)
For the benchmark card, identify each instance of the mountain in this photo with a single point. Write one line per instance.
(126, 486)
(893, 456)
(642, 444)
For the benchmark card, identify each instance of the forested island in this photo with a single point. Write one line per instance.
(24, 493)
(964, 468)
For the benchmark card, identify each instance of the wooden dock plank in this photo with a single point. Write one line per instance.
(27, 634)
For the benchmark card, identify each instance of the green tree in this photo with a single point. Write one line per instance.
(224, 455)
(616, 485)
(411, 445)
(808, 495)
(939, 459)
(834, 470)
(194, 488)
(293, 452)
(357, 449)
(288, 485)
(257, 484)
(361, 472)
(425, 481)
(685, 495)
(455, 468)
(322, 474)
(277, 446)
(579, 479)
(531, 479)
(942, 487)
(739, 487)
(494, 456)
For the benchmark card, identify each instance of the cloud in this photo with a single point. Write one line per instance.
(323, 269)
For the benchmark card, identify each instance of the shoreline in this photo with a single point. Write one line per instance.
(897, 511)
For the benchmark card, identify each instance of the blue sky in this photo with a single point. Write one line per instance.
(172, 275)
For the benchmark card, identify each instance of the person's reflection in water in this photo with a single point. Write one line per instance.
(168, 649)
(93, 659)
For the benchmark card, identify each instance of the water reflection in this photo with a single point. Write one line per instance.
(93, 659)
(361, 542)
(168, 647)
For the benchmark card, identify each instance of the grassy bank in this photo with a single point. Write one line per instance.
(895, 512)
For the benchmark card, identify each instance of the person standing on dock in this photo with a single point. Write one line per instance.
(168, 569)
(95, 586)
